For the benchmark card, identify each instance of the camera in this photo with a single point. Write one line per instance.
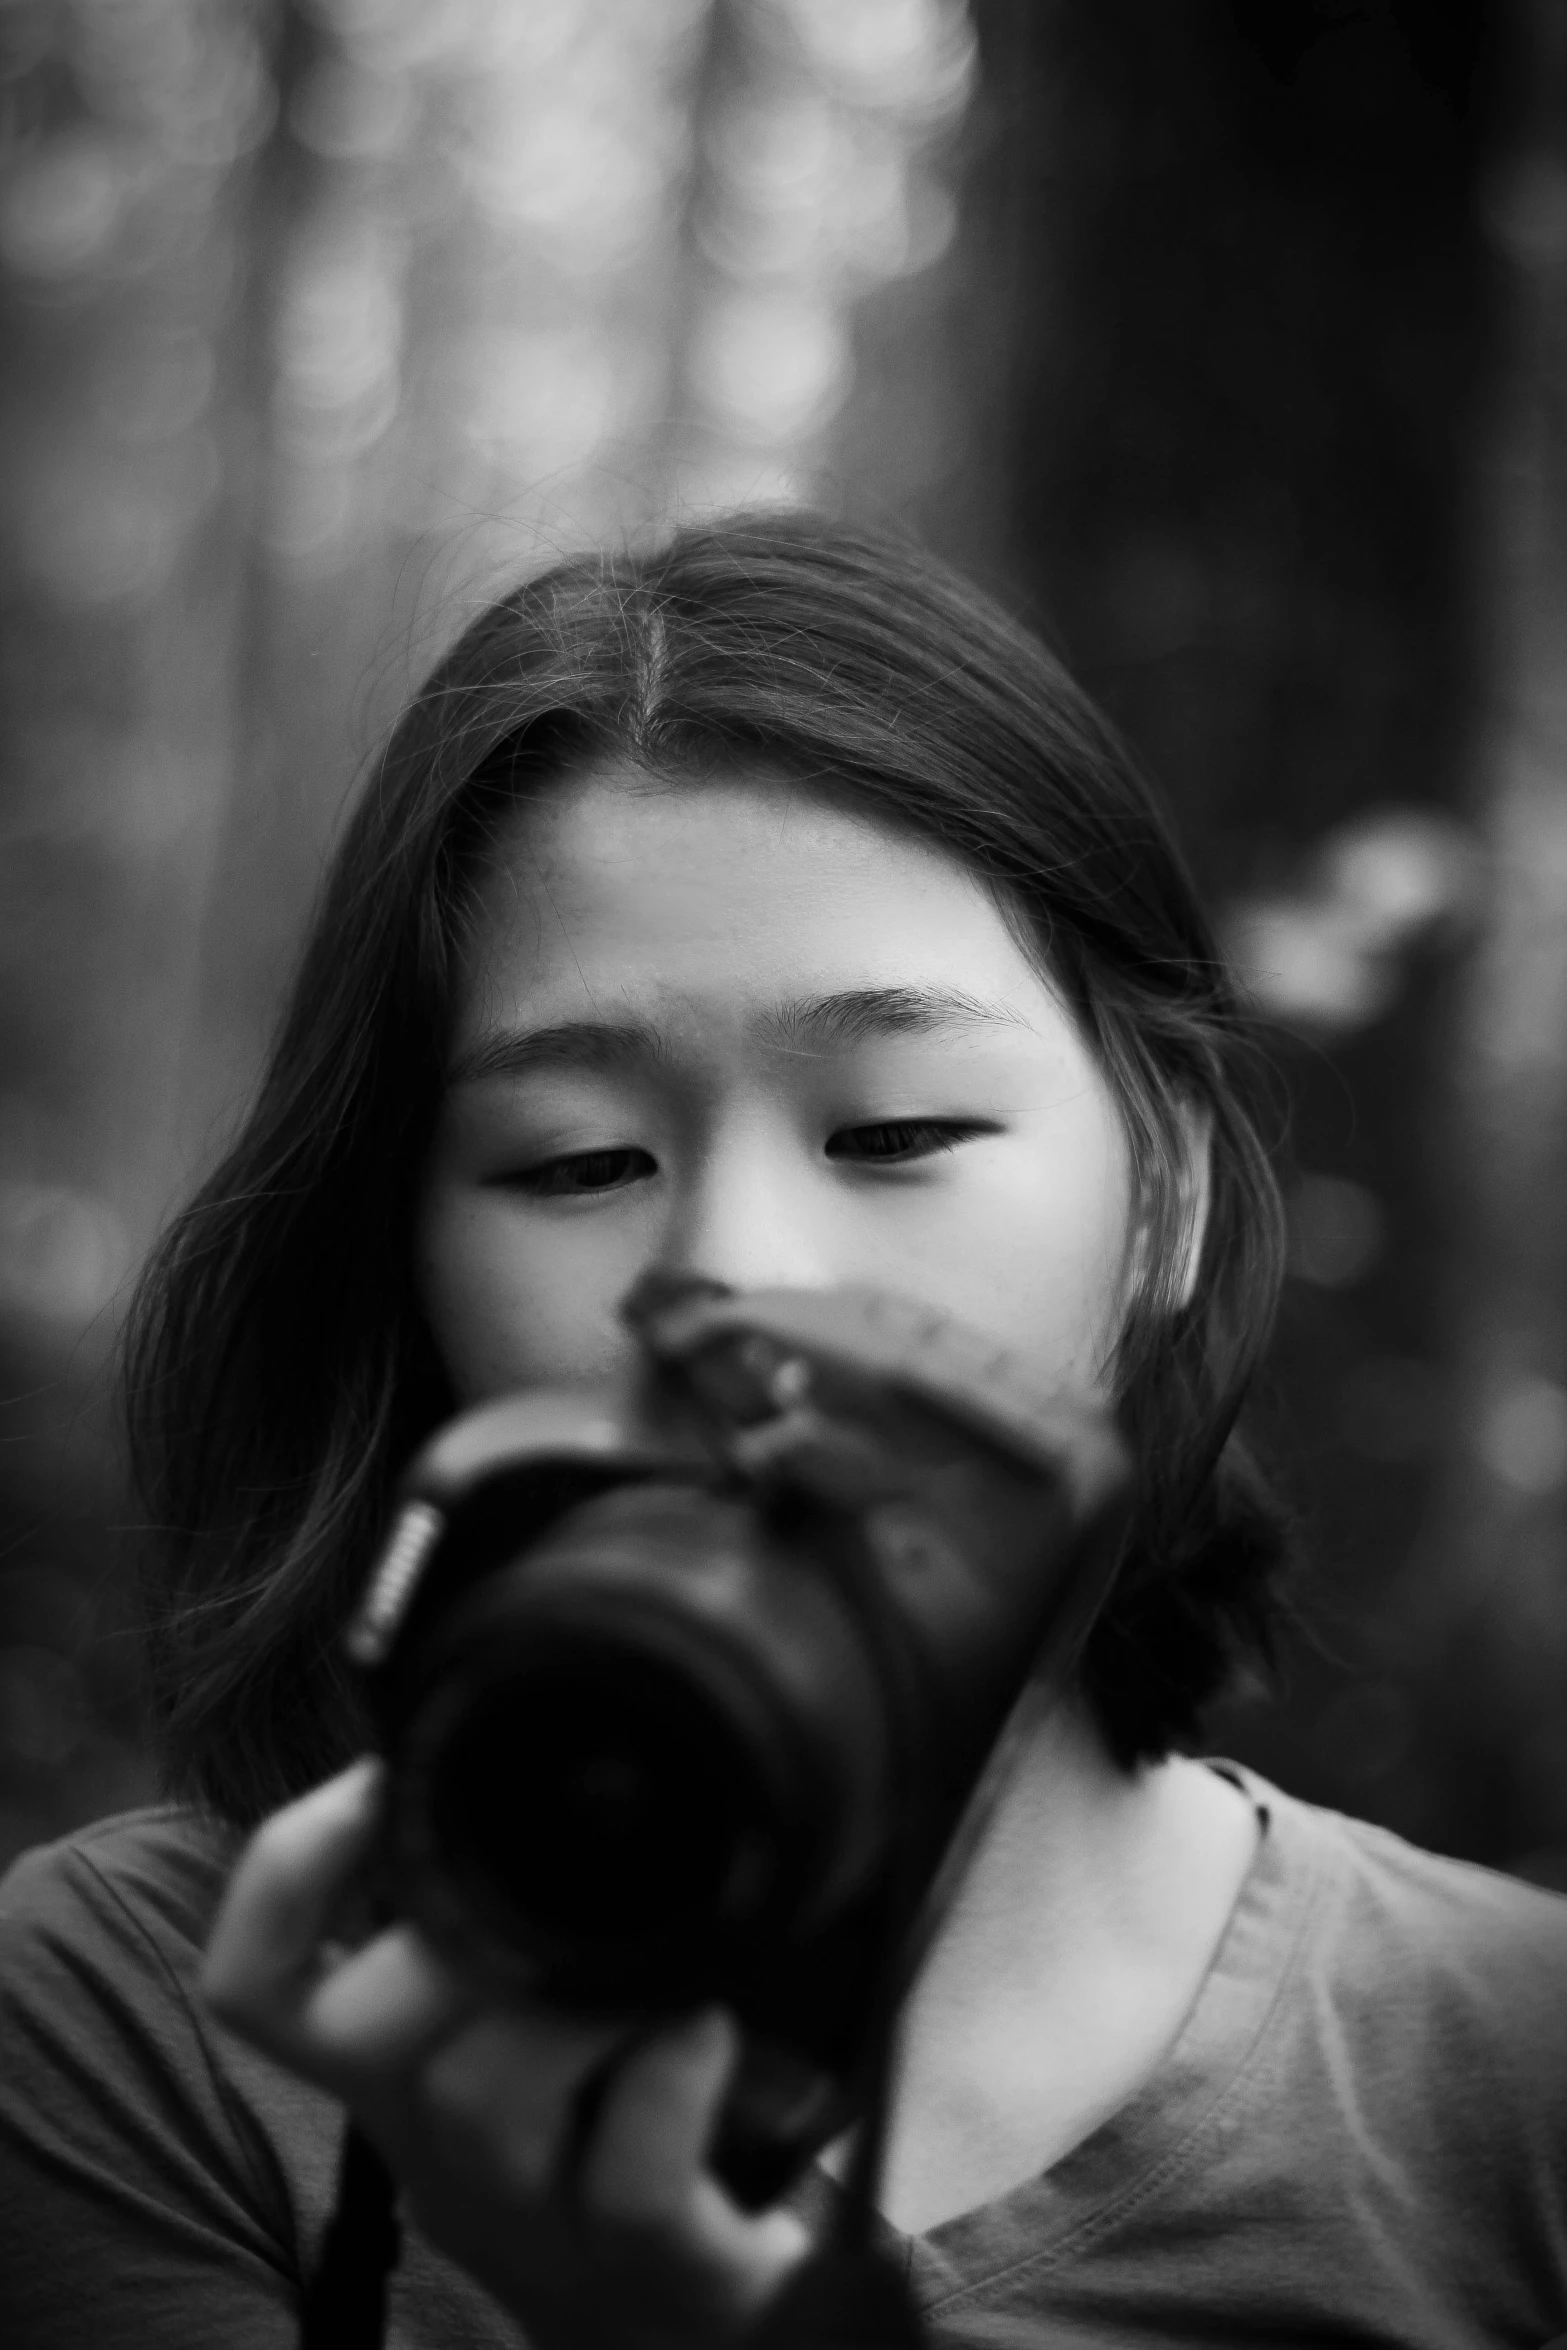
(692, 1692)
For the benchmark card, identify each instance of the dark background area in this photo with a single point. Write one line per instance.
(1222, 340)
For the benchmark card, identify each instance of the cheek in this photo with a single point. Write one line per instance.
(511, 1307)
(1068, 1283)
(1033, 1250)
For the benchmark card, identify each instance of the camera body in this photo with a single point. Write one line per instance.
(691, 1694)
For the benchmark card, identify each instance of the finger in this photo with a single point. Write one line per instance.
(499, 2096)
(657, 2124)
(376, 2011)
(283, 1894)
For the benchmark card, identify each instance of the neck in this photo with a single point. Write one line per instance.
(1071, 1955)
(1077, 1852)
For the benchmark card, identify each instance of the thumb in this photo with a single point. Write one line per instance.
(657, 2121)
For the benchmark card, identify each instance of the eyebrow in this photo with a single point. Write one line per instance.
(804, 1024)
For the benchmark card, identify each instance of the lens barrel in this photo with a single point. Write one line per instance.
(658, 1733)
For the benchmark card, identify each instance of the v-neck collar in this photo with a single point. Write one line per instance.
(1047, 2218)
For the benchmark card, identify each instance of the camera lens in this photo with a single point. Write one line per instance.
(655, 1732)
(596, 1796)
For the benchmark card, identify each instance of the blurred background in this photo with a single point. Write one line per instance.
(1227, 341)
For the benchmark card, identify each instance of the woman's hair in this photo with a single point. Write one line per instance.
(278, 1368)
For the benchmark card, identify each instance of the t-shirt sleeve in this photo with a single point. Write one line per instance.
(139, 2203)
(162, 2185)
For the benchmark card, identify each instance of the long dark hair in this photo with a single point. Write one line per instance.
(278, 1370)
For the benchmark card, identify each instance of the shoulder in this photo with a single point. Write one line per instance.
(157, 1872)
(1473, 1926)
(125, 2109)
(1426, 1968)
(101, 1938)
(1454, 1913)
(138, 2139)
(112, 1921)
(101, 1943)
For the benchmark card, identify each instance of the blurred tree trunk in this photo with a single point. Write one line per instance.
(1494, 1615)
(121, 620)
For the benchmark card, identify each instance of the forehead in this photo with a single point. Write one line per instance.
(739, 880)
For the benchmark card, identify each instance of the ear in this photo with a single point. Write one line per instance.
(1192, 1178)
(1193, 1197)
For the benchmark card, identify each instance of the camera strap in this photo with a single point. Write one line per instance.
(345, 2301)
(852, 2293)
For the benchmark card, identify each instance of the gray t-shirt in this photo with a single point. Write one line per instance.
(1359, 2136)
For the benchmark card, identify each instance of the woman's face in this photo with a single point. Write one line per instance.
(727, 1029)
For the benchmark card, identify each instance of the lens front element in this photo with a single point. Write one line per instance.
(654, 1734)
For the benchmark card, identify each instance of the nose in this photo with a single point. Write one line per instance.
(743, 1220)
(659, 1287)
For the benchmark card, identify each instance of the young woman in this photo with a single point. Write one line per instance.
(766, 914)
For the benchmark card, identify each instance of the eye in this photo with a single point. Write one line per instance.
(899, 1142)
(583, 1174)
